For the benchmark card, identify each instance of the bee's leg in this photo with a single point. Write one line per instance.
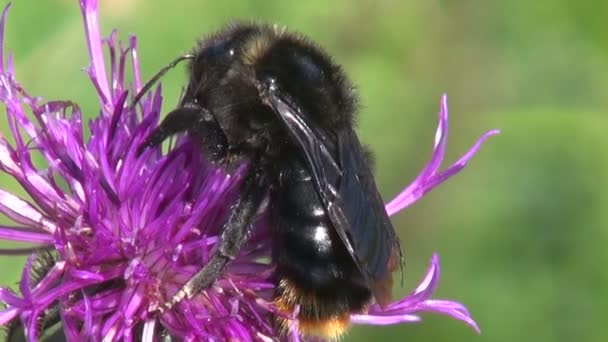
(179, 120)
(234, 234)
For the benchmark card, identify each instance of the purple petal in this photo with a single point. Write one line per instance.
(441, 136)
(111, 44)
(86, 275)
(7, 161)
(148, 333)
(22, 212)
(451, 309)
(429, 184)
(52, 276)
(464, 160)
(135, 64)
(419, 301)
(23, 234)
(88, 319)
(70, 327)
(440, 143)
(384, 320)
(10, 298)
(2, 23)
(32, 326)
(93, 38)
(429, 177)
(8, 315)
(26, 283)
(429, 284)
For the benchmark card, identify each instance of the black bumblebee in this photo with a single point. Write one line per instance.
(260, 93)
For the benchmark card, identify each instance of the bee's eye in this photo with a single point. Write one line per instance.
(222, 51)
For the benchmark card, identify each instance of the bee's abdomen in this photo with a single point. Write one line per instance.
(314, 269)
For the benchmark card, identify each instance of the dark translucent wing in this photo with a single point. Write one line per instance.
(348, 192)
(373, 236)
(315, 147)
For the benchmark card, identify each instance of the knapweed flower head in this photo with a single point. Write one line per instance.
(113, 235)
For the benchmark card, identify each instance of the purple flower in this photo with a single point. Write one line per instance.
(112, 235)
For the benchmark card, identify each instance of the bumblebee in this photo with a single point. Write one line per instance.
(260, 93)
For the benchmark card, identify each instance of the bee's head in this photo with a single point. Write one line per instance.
(228, 67)
(214, 58)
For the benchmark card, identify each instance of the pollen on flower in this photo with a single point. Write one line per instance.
(114, 235)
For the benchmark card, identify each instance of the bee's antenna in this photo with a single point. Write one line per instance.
(156, 77)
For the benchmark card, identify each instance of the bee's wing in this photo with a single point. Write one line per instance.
(346, 187)
(373, 236)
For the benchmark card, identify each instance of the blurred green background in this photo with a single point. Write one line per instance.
(522, 232)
